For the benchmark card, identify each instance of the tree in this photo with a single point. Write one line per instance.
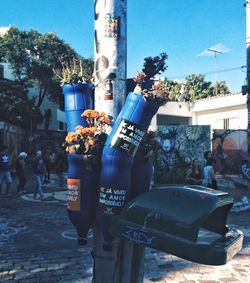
(197, 87)
(220, 88)
(174, 89)
(33, 56)
(194, 88)
(15, 106)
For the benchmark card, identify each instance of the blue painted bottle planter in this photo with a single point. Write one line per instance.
(120, 149)
(77, 98)
(118, 157)
(82, 194)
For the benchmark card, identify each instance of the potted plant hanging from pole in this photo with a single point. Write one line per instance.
(78, 91)
(124, 140)
(84, 147)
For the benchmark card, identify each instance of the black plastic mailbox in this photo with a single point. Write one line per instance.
(186, 221)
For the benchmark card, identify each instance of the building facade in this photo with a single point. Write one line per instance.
(220, 112)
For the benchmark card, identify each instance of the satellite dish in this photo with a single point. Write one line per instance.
(214, 50)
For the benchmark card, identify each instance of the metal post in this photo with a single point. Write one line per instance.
(248, 54)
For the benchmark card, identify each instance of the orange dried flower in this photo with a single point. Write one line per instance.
(86, 138)
(86, 113)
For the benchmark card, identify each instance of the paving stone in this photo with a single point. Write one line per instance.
(42, 255)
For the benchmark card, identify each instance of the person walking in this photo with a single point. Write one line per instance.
(39, 169)
(20, 171)
(5, 174)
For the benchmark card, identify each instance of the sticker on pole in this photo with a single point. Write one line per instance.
(127, 137)
(74, 194)
(112, 26)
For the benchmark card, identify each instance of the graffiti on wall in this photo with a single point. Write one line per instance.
(230, 150)
(178, 146)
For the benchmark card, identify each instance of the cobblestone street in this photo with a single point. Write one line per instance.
(37, 245)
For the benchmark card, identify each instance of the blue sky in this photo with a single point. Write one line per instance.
(181, 28)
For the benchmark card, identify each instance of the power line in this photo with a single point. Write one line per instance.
(213, 72)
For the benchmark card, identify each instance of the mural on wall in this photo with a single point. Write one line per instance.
(178, 146)
(230, 150)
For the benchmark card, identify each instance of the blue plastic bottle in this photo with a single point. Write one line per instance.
(118, 157)
(82, 184)
(77, 98)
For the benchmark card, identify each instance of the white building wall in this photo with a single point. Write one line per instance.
(236, 119)
(227, 112)
(175, 109)
(221, 112)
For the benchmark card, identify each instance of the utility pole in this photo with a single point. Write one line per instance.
(248, 55)
(110, 93)
(110, 55)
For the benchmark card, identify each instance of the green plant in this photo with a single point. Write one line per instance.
(156, 90)
(73, 73)
(159, 92)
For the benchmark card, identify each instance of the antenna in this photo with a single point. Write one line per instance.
(214, 51)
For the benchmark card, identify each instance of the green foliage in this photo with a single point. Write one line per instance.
(174, 89)
(220, 88)
(15, 106)
(13, 51)
(79, 71)
(195, 88)
(33, 56)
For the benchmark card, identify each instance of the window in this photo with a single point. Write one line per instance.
(228, 123)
